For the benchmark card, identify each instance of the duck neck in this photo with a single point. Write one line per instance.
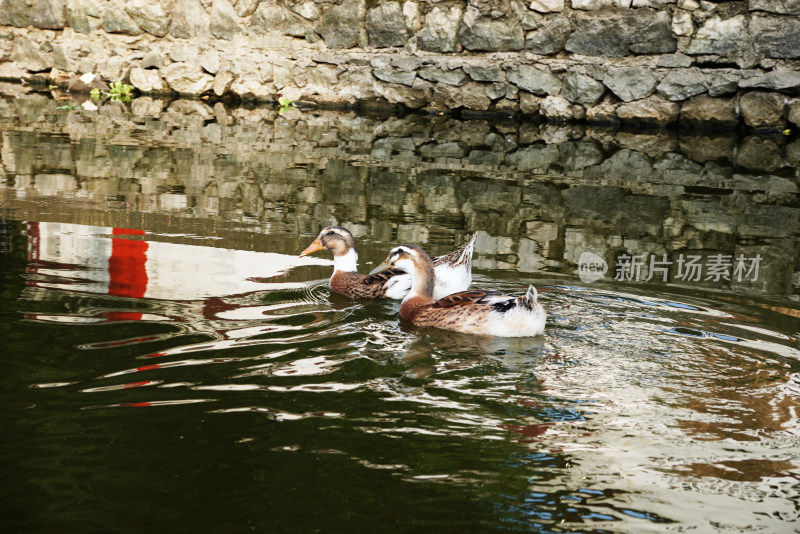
(422, 281)
(347, 262)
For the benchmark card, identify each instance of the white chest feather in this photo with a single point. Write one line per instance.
(347, 262)
(398, 286)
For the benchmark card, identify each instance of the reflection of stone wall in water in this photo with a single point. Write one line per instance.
(691, 61)
(542, 194)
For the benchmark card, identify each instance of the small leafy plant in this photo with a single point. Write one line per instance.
(117, 92)
(285, 103)
(120, 92)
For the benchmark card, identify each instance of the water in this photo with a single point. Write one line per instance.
(171, 363)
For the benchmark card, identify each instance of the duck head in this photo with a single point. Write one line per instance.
(414, 261)
(337, 239)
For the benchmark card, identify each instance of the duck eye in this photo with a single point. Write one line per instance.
(331, 233)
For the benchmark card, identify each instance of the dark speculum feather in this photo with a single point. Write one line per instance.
(504, 305)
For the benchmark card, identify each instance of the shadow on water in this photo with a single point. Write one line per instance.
(170, 361)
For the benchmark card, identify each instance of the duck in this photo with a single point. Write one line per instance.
(453, 271)
(472, 312)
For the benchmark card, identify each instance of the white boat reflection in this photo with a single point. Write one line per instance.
(125, 263)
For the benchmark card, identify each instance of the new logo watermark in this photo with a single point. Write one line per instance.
(591, 267)
(687, 268)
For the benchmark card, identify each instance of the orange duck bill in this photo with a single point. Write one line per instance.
(313, 247)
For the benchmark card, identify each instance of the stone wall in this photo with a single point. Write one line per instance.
(663, 61)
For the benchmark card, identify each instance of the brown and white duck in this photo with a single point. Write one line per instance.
(472, 312)
(453, 271)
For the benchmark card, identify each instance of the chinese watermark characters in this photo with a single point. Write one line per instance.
(686, 268)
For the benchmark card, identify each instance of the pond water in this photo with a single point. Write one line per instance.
(171, 363)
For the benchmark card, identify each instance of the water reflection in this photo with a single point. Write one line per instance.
(179, 328)
(540, 195)
(628, 396)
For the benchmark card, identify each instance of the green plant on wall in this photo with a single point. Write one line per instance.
(117, 92)
(285, 103)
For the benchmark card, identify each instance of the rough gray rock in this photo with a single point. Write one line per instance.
(760, 109)
(556, 108)
(339, 27)
(631, 83)
(440, 32)
(776, 37)
(485, 74)
(535, 80)
(149, 16)
(152, 60)
(494, 35)
(651, 109)
(268, 18)
(783, 7)
(60, 59)
(762, 38)
(794, 114)
(718, 36)
(395, 76)
(548, 6)
(186, 78)
(117, 20)
(224, 22)
(113, 69)
(245, 8)
(703, 109)
(550, 38)
(674, 61)
(81, 16)
(307, 9)
(777, 80)
(450, 77)
(49, 14)
(386, 25)
(184, 51)
(209, 60)
(147, 81)
(189, 19)
(619, 32)
(15, 13)
(405, 63)
(680, 85)
(414, 97)
(722, 83)
(26, 56)
(604, 112)
(582, 89)
(222, 82)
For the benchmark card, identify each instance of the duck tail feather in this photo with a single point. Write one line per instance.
(532, 295)
(470, 246)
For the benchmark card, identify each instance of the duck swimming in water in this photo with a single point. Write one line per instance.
(472, 312)
(453, 271)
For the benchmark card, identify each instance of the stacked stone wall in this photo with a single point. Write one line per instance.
(718, 64)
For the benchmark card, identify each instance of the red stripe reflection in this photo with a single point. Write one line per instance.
(126, 266)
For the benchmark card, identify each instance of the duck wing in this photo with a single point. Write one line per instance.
(391, 283)
(499, 301)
